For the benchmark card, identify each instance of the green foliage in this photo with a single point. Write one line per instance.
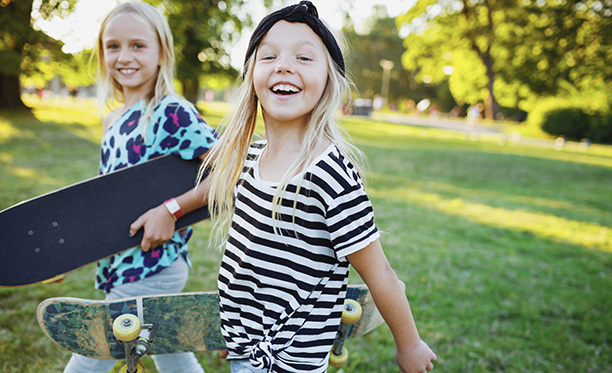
(382, 42)
(573, 123)
(20, 44)
(203, 33)
(534, 47)
(75, 70)
(439, 33)
(572, 119)
(601, 128)
(468, 82)
(22, 47)
(78, 70)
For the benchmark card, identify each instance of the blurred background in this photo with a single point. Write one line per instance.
(543, 62)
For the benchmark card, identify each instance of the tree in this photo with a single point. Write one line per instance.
(440, 28)
(512, 50)
(77, 71)
(366, 53)
(382, 42)
(21, 46)
(203, 31)
(557, 48)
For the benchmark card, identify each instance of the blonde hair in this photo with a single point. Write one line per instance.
(109, 89)
(238, 128)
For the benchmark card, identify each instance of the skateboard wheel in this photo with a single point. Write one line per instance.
(126, 327)
(352, 311)
(338, 361)
(139, 369)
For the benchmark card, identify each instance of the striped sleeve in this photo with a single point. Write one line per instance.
(349, 215)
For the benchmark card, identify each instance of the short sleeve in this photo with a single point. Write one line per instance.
(179, 129)
(350, 220)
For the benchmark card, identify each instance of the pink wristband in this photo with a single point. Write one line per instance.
(174, 208)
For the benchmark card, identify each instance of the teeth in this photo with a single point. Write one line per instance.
(285, 88)
(127, 71)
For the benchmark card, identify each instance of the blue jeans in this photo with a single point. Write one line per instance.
(244, 366)
(168, 281)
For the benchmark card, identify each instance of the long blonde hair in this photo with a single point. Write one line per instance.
(109, 90)
(227, 157)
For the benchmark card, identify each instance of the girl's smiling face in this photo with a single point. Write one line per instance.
(290, 73)
(131, 54)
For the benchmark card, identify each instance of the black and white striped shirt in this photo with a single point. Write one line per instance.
(282, 294)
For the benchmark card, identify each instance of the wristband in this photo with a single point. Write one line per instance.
(174, 208)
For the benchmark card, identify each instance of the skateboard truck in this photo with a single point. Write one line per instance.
(350, 315)
(136, 338)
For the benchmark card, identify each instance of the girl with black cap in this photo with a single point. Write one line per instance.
(291, 211)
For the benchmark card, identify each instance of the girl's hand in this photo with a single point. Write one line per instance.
(418, 358)
(158, 227)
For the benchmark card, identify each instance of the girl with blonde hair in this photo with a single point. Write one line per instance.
(291, 211)
(135, 72)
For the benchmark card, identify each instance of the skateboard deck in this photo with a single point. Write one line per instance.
(58, 232)
(180, 322)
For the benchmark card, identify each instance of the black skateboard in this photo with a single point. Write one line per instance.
(58, 232)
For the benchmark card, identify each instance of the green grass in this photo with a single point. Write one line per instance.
(506, 251)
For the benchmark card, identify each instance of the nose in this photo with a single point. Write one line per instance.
(283, 66)
(125, 56)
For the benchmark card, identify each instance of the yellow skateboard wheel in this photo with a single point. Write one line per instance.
(352, 311)
(338, 361)
(126, 327)
(139, 369)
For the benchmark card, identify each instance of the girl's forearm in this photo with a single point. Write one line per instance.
(194, 198)
(390, 299)
(387, 293)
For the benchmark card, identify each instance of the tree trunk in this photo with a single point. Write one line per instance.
(10, 93)
(191, 88)
(491, 106)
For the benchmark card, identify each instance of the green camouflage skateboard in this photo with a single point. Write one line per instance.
(132, 327)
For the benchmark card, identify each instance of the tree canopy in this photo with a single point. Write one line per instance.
(21, 46)
(510, 51)
(203, 34)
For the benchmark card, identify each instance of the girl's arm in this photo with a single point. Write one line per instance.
(413, 355)
(158, 223)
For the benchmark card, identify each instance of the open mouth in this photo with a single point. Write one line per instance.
(285, 89)
(127, 71)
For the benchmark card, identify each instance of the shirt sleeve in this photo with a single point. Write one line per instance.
(350, 217)
(179, 129)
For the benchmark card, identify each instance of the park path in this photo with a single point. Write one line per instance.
(472, 131)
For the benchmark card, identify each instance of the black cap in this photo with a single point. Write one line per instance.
(304, 12)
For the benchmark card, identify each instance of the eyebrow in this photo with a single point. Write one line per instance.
(299, 43)
(130, 40)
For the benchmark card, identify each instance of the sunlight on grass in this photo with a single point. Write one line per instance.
(8, 131)
(534, 201)
(28, 173)
(6, 158)
(389, 136)
(81, 115)
(589, 235)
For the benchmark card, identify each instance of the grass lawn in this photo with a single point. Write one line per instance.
(506, 251)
